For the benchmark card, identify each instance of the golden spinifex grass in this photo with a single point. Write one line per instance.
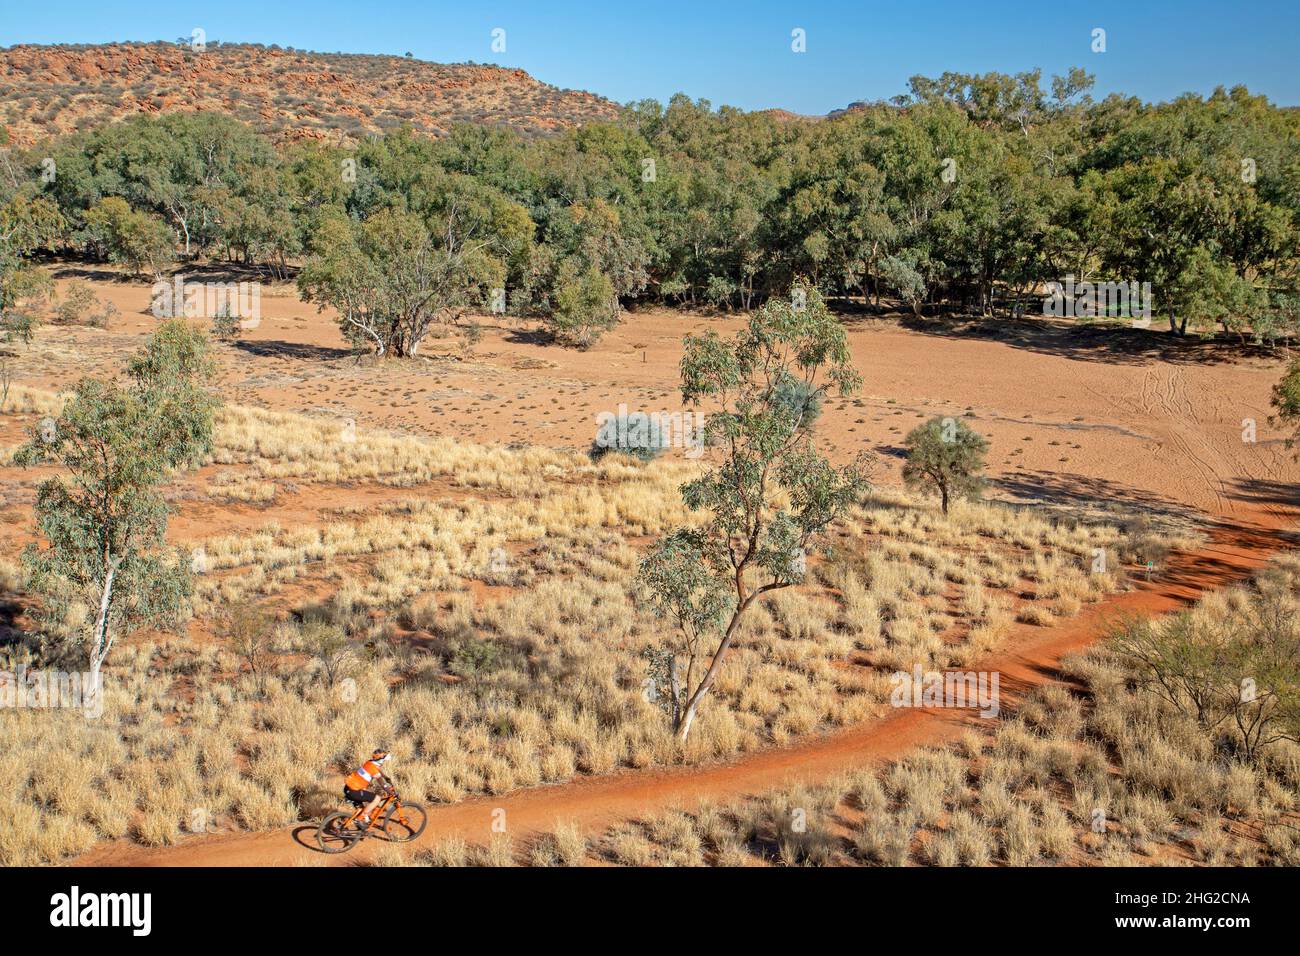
(385, 634)
(1114, 776)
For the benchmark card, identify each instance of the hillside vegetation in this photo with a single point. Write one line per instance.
(285, 93)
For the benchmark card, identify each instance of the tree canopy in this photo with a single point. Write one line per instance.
(968, 193)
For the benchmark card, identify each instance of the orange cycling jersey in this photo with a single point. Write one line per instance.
(363, 776)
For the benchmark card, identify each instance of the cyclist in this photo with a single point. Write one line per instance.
(362, 785)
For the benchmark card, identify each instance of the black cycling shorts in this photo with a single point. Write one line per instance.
(361, 797)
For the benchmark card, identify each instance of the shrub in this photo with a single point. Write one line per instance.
(225, 326)
(635, 433)
(945, 456)
(77, 301)
(329, 645)
(472, 657)
(585, 307)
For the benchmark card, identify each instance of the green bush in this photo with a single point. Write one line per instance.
(585, 308)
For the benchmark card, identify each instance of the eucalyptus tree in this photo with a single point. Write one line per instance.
(946, 457)
(770, 495)
(392, 282)
(103, 520)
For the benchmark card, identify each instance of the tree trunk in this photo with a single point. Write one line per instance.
(688, 718)
(99, 648)
(693, 704)
(675, 687)
(943, 497)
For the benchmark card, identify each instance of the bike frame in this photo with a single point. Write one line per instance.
(390, 799)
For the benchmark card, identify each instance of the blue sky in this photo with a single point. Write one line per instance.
(739, 53)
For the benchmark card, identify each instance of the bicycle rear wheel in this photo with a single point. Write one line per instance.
(405, 823)
(335, 835)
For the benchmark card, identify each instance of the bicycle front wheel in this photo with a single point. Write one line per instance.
(405, 823)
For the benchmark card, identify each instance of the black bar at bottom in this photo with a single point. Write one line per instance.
(530, 905)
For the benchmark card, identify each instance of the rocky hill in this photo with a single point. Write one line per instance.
(287, 93)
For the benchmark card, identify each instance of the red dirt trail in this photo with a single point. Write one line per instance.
(1030, 658)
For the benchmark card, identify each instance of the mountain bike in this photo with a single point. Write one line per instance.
(396, 820)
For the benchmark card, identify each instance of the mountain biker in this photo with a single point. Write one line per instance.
(361, 785)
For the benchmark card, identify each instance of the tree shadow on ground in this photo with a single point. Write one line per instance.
(93, 273)
(230, 272)
(277, 348)
(10, 633)
(1112, 343)
(192, 272)
(1076, 490)
(1263, 491)
(531, 336)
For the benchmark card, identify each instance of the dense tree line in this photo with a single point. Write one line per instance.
(969, 193)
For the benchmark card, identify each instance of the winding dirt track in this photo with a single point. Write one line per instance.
(1030, 658)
